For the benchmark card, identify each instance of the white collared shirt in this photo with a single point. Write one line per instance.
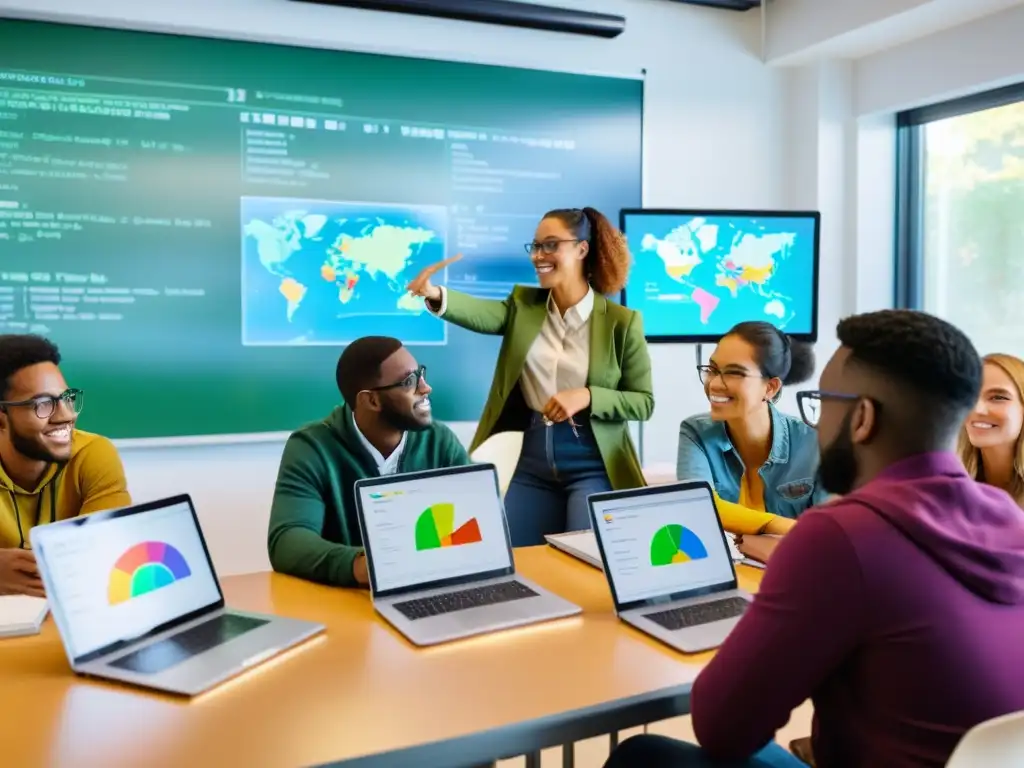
(560, 356)
(388, 466)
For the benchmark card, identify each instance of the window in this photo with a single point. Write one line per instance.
(961, 216)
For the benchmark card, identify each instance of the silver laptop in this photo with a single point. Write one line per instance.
(668, 565)
(136, 599)
(583, 546)
(579, 544)
(440, 559)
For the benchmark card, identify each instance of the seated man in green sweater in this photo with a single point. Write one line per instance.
(384, 427)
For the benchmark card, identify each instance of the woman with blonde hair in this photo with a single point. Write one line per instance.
(992, 440)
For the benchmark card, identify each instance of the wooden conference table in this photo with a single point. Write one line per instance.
(359, 695)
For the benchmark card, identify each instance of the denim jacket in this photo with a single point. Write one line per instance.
(789, 475)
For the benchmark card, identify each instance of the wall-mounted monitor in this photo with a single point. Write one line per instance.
(696, 273)
(213, 220)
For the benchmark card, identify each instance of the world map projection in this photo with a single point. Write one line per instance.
(695, 277)
(322, 272)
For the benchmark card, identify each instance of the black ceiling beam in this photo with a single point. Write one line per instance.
(726, 5)
(502, 12)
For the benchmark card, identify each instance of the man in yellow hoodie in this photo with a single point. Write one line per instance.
(49, 470)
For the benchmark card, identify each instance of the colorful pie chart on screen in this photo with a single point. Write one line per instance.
(436, 528)
(145, 567)
(674, 544)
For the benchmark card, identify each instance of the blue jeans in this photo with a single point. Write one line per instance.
(557, 470)
(652, 751)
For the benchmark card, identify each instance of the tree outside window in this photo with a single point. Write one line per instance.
(973, 237)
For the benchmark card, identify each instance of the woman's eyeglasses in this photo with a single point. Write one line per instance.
(708, 373)
(547, 247)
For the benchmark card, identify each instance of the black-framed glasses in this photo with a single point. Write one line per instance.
(412, 381)
(708, 373)
(547, 247)
(46, 405)
(809, 402)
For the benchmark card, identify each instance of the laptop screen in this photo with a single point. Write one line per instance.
(429, 528)
(116, 578)
(660, 544)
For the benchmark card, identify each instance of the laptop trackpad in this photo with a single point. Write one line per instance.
(181, 647)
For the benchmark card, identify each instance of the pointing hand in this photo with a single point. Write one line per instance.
(421, 285)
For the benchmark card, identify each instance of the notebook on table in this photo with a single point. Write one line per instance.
(136, 599)
(440, 558)
(22, 615)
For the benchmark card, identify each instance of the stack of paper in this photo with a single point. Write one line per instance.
(21, 615)
(739, 557)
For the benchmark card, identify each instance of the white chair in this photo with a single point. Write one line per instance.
(997, 743)
(502, 450)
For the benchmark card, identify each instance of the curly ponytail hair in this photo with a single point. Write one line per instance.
(607, 263)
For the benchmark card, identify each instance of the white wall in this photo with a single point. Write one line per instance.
(972, 57)
(801, 31)
(721, 129)
(715, 127)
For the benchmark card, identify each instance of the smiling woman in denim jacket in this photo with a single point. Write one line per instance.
(761, 463)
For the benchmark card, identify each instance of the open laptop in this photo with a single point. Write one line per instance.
(668, 565)
(136, 599)
(583, 546)
(440, 559)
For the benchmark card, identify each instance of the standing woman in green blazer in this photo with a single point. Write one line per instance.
(573, 371)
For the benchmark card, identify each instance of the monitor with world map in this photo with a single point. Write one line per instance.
(697, 273)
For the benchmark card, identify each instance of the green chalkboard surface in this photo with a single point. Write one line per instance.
(202, 225)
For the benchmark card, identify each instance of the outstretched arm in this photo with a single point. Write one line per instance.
(478, 315)
(488, 316)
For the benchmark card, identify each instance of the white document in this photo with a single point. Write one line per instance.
(22, 615)
(739, 557)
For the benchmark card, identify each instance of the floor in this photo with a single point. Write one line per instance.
(593, 752)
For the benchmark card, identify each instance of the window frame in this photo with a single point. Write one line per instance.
(909, 264)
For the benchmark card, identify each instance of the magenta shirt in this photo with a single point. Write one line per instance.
(899, 609)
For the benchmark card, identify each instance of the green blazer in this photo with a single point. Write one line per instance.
(619, 377)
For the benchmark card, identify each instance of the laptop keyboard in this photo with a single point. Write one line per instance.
(167, 653)
(425, 607)
(701, 613)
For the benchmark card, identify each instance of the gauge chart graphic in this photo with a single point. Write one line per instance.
(436, 528)
(143, 568)
(672, 544)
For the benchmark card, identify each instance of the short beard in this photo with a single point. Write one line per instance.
(838, 469)
(403, 422)
(30, 449)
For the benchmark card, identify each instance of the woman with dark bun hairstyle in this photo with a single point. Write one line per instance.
(573, 371)
(761, 463)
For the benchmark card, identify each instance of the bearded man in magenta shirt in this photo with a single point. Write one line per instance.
(898, 608)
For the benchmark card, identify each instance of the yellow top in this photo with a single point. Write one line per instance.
(92, 480)
(752, 492)
(746, 516)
